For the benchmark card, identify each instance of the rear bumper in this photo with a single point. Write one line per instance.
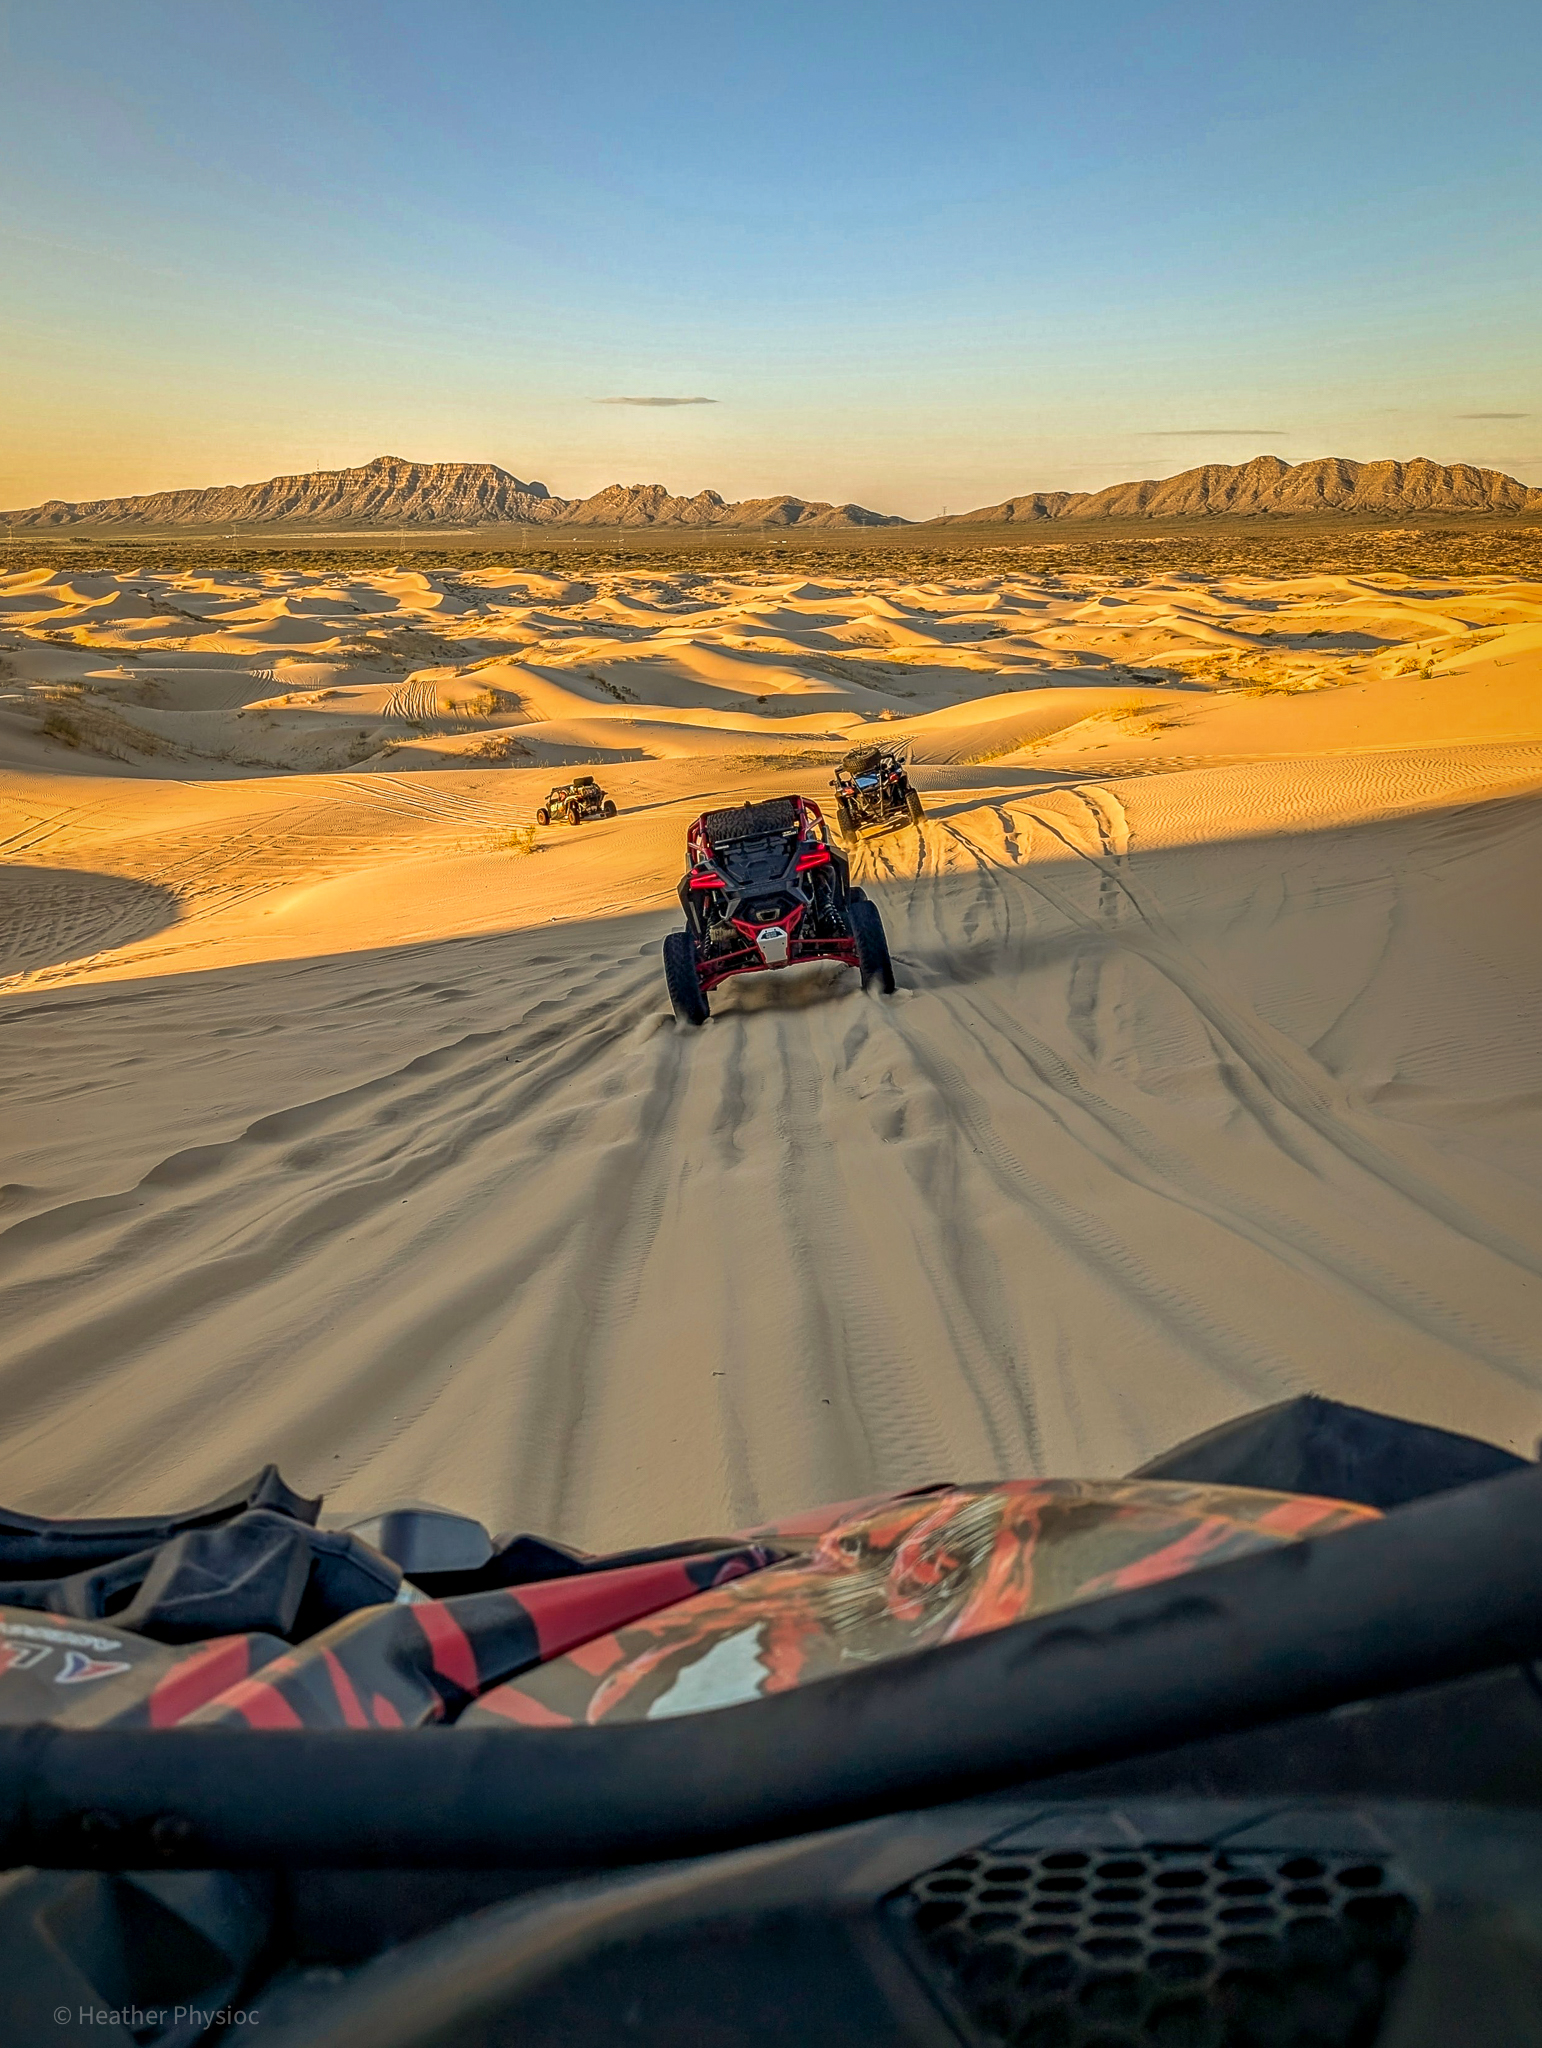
(721, 967)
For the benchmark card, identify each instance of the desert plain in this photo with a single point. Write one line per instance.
(346, 1124)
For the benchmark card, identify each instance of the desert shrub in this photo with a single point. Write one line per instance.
(515, 839)
(1145, 721)
(619, 691)
(75, 722)
(500, 746)
(60, 726)
(791, 757)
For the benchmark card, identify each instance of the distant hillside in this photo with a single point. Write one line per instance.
(1266, 484)
(390, 492)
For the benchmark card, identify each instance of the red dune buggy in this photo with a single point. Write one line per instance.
(765, 888)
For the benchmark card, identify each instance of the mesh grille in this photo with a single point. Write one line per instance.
(751, 821)
(1160, 1948)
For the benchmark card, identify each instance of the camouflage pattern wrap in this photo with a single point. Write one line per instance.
(882, 1581)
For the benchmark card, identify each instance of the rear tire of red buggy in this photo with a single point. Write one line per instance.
(872, 944)
(683, 979)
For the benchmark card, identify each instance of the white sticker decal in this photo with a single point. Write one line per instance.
(79, 1669)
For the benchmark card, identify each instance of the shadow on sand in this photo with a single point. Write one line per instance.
(52, 915)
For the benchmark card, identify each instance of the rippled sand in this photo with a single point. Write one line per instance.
(340, 1132)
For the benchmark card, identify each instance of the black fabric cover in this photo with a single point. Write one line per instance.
(528, 1560)
(1312, 1445)
(345, 1574)
(39, 1547)
(263, 1572)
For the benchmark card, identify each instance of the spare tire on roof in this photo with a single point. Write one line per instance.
(751, 821)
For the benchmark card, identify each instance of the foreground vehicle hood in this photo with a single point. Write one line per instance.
(1023, 1762)
(911, 1573)
(241, 1611)
(829, 1591)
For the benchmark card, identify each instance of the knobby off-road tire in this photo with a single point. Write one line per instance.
(543, 816)
(872, 945)
(845, 822)
(575, 814)
(607, 809)
(913, 805)
(682, 979)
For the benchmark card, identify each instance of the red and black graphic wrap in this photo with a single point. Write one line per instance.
(92, 1675)
(883, 1581)
(409, 1665)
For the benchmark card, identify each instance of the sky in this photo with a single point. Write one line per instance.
(918, 257)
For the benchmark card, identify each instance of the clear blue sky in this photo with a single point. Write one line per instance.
(918, 255)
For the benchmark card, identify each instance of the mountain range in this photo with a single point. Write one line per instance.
(1331, 483)
(390, 492)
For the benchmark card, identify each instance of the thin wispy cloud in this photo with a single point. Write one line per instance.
(655, 401)
(1493, 415)
(1212, 434)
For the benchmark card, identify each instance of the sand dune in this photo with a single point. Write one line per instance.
(340, 1132)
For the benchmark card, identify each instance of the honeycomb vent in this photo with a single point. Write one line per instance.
(1160, 1948)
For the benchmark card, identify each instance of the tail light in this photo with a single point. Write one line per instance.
(816, 857)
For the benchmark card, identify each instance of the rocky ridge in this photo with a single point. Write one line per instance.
(1331, 483)
(391, 492)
